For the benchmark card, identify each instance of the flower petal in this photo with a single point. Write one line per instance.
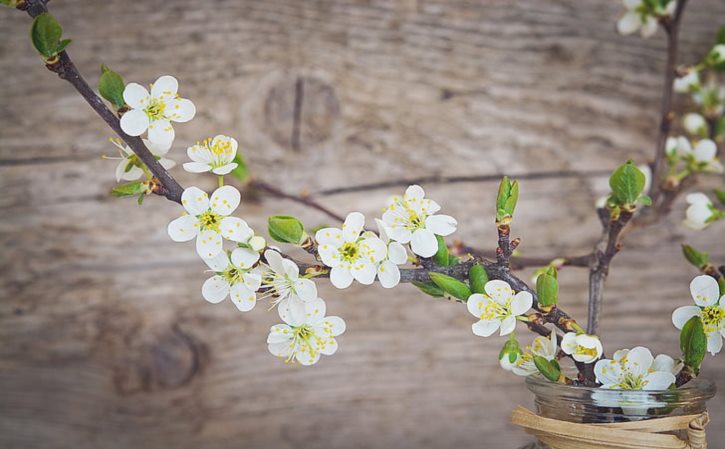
(658, 380)
(335, 325)
(199, 153)
(195, 200)
(134, 122)
(508, 325)
(354, 223)
(629, 23)
(364, 273)
(424, 243)
(569, 343)
(305, 357)
(215, 289)
(649, 27)
(397, 253)
(225, 169)
(476, 303)
(292, 311)
(165, 87)
(235, 229)
(279, 333)
(218, 263)
(375, 249)
(181, 110)
(253, 280)
(274, 260)
(414, 192)
(639, 361)
(161, 132)
(136, 96)
(305, 289)
(441, 224)
(500, 291)
(329, 254)
(521, 303)
(705, 290)
(315, 311)
(485, 328)
(714, 342)
(242, 297)
(196, 167)
(225, 200)
(608, 372)
(705, 150)
(208, 244)
(665, 363)
(682, 315)
(388, 274)
(183, 228)
(329, 236)
(340, 277)
(244, 257)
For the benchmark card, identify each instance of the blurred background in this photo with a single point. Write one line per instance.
(105, 340)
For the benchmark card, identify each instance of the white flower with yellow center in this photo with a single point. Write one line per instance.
(349, 254)
(524, 364)
(215, 155)
(701, 212)
(304, 342)
(411, 219)
(706, 294)
(209, 220)
(156, 110)
(582, 347)
(498, 308)
(632, 370)
(281, 278)
(388, 271)
(129, 167)
(233, 277)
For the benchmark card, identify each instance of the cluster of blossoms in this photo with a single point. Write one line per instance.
(644, 16)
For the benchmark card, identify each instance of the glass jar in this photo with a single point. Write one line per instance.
(595, 405)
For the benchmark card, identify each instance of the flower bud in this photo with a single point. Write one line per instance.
(509, 353)
(508, 195)
(477, 277)
(451, 285)
(547, 288)
(695, 124)
(549, 368)
(286, 229)
(257, 243)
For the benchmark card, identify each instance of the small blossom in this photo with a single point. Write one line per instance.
(524, 364)
(350, 255)
(704, 157)
(582, 347)
(695, 124)
(677, 147)
(388, 271)
(209, 220)
(717, 54)
(156, 110)
(234, 276)
(215, 155)
(281, 279)
(701, 212)
(498, 308)
(129, 167)
(411, 219)
(636, 18)
(305, 342)
(706, 294)
(688, 83)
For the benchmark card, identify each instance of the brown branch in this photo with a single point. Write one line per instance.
(66, 70)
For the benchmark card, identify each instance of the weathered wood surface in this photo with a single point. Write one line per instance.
(106, 341)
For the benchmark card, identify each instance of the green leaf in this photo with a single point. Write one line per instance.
(550, 369)
(45, 34)
(430, 288)
(441, 258)
(242, 171)
(478, 277)
(697, 258)
(508, 195)
(111, 86)
(547, 289)
(129, 189)
(720, 195)
(645, 200)
(693, 343)
(627, 183)
(286, 229)
(721, 284)
(453, 260)
(451, 285)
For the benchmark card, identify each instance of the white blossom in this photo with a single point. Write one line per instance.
(687, 83)
(215, 155)
(582, 347)
(695, 124)
(709, 307)
(388, 271)
(349, 254)
(411, 219)
(630, 370)
(498, 308)
(282, 279)
(704, 156)
(209, 220)
(233, 277)
(636, 18)
(701, 212)
(156, 110)
(718, 53)
(305, 342)
(129, 165)
(524, 364)
(677, 147)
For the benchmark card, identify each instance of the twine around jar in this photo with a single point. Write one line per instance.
(646, 434)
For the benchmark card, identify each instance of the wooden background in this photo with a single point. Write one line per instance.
(105, 341)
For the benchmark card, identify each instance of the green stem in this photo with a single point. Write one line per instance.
(221, 180)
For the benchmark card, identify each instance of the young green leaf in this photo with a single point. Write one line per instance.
(697, 258)
(441, 258)
(693, 343)
(111, 86)
(508, 195)
(45, 34)
(430, 288)
(451, 285)
(241, 172)
(550, 369)
(286, 229)
(627, 183)
(129, 189)
(478, 277)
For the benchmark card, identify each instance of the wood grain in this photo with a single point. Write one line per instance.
(106, 341)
